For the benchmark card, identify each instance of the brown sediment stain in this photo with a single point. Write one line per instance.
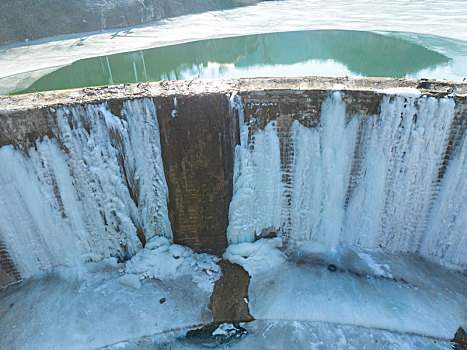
(460, 338)
(24, 128)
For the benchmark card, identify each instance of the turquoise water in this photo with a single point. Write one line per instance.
(298, 53)
(434, 25)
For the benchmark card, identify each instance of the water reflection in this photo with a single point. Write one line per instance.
(320, 52)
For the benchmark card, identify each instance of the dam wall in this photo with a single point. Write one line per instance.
(93, 173)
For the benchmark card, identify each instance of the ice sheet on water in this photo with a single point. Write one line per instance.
(130, 280)
(300, 335)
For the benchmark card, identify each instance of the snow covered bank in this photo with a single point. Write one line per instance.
(162, 260)
(25, 22)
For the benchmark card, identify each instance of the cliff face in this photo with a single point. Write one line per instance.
(36, 19)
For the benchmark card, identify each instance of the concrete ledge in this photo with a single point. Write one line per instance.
(9, 104)
(26, 118)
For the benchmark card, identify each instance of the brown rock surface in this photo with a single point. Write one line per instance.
(230, 292)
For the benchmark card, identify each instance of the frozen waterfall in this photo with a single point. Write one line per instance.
(97, 189)
(371, 180)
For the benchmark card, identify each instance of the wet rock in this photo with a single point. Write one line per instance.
(214, 335)
(266, 233)
(460, 340)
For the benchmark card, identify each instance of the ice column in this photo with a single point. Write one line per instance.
(256, 204)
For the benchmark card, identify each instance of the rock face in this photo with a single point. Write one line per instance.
(8, 272)
(460, 338)
(35, 19)
(229, 300)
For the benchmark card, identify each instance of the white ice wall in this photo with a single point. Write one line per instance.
(258, 189)
(69, 201)
(395, 200)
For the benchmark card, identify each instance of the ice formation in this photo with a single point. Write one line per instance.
(369, 288)
(96, 190)
(367, 180)
(160, 259)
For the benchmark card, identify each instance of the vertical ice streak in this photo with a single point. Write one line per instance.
(414, 156)
(256, 204)
(321, 173)
(446, 234)
(39, 222)
(403, 149)
(96, 190)
(319, 176)
(142, 151)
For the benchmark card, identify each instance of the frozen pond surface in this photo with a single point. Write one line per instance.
(299, 53)
(400, 300)
(103, 303)
(267, 334)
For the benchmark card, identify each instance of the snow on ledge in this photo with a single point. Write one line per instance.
(401, 91)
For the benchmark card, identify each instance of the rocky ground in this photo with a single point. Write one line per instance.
(35, 19)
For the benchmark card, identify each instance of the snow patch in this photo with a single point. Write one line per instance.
(378, 269)
(258, 256)
(401, 91)
(162, 260)
(130, 280)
